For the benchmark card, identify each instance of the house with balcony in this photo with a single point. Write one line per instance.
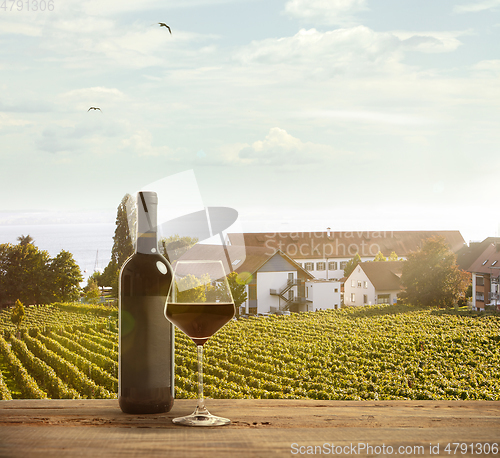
(373, 283)
(325, 254)
(485, 272)
(275, 282)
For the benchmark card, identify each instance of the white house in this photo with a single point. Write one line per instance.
(275, 282)
(486, 278)
(323, 294)
(325, 254)
(373, 283)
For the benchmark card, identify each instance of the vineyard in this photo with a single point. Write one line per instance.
(377, 352)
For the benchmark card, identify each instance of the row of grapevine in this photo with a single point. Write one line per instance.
(45, 376)
(378, 352)
(95, 372)
(5, 394)
(67, 371)
(27, 384)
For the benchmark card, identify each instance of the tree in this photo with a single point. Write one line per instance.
(24, 274)
(92, 292)
(351, 265)
(393, 256)
(431, 277)
(175, 246)
(380, 257)
(122, 241)
(30, 275)
(122, 246)
(25, 239)
(65, 277)
(237, 285)
(18, 314)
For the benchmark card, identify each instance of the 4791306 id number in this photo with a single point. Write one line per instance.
(477, 448)
(27, 5)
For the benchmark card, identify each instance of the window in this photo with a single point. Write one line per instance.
(333, 265)
(353, 297)
(309, 266)
(365, 285)
(320, 266)
(494, 263)
(479, 281)
(383, 298)
(365, 299)
(336, 290)
(343, 264)
(353, 283)
(252, 292)
(359, 284)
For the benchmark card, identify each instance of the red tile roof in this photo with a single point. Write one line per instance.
(321, 245)
(488, 262)
(384, 275)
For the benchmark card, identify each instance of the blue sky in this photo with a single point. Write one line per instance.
(300, 114)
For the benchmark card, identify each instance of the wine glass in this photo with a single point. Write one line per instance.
(199, 304)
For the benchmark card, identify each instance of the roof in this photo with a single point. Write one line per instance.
(469, 254)
(251, 259)
(384, 275)
(322, 245)
(488, 262)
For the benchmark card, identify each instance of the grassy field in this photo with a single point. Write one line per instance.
(377, 352)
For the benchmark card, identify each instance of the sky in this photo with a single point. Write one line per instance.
(299, 114)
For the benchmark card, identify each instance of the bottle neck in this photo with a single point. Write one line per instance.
(147, 241)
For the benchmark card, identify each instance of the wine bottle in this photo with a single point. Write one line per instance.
(146, 337)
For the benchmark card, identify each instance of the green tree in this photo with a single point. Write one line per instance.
(65, 277)
(190, 289)
(25, 239)
(380, 257)
(24, 274)
(18, 314)
(122, 246)
(351, 265)
(393, 256)
(237, 285)
(92, 293)
(431, 277)
(175, 246)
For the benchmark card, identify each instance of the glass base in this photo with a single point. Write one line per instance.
(201, 417)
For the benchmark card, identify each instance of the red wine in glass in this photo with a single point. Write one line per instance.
(200, 321)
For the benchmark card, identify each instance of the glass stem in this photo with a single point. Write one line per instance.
(200, 408)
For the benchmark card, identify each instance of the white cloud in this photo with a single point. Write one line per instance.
(82, 99)
(474, 7)
(282, 149)
(140, 143)
(334, 12)
(488, 68)
(343, 50)
(401, 119)
(430, 41)
(10, 121)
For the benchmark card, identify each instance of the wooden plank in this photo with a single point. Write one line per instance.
(260, 428)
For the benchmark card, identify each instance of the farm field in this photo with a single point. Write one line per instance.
(376, 352)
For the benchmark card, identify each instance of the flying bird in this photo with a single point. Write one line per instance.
(162, 24)
(94, 108)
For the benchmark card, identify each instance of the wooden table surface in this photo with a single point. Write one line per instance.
(260, 428)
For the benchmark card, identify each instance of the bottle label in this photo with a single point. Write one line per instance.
(145, 343)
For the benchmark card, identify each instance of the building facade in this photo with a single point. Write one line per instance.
(373, 283)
